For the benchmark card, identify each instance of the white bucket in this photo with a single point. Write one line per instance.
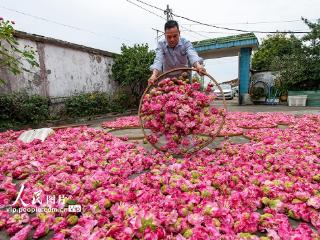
(300, 100)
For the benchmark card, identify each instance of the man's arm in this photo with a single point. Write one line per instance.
(156, 67)
(194, 58)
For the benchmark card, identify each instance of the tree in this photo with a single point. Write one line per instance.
(291, 71)
(296, 60)
(273, 47)
(301, 70)
(312, 51)
(11, 56)
(131, 68)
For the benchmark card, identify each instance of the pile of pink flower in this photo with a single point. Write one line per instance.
(82, 164)
(175, 111)
(122, 122)
(9, 136)
(235, 123)
(260, 120)
(241, 191)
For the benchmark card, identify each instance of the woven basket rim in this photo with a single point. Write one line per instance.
(200, 146)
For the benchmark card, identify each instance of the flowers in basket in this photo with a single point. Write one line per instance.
(179, 115)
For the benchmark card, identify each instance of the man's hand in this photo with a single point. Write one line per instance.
(200, 69)
(153, 77)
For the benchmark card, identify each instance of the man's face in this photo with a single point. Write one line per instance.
(172, 36)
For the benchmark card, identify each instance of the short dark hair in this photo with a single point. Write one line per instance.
(171, 24)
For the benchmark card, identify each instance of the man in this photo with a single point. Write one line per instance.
(174, 52)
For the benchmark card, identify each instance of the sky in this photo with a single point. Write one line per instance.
(107, 24)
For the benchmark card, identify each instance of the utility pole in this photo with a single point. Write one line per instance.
(157, 30)
(168, 12)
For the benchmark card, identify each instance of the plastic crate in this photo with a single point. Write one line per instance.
(300, 100)
(313, 99)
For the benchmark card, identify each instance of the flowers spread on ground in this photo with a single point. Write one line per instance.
(253, 190)
(122, 122)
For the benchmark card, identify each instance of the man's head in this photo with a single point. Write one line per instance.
(172, 33)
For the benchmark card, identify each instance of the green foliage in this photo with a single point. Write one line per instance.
(120, 102)
(20, 108)
(131, 68)
(273, 47)
(312, 51)
(95, 103)
(11, 56)
(302, 69)
(291, 72)
(312, 38)
(87, 104)
(296, 60)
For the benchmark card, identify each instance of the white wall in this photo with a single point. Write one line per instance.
(71, 71)
(63, 71)
(24, 81)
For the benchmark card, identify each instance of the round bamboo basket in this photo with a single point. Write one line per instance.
(211, 136)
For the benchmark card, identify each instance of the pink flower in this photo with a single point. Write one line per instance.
(170, 118)
(23, 233)
(41, 230)
(83, 228)
(303, 231)
(122, 122)
(314, 202)
(209, 87)
(269, 140)
(195, 219)
(185, 142)
(18, 218)
(59, 223)
(196, 86)
(59, 236)
(272, 233)
(14, 228)
(214, 110)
